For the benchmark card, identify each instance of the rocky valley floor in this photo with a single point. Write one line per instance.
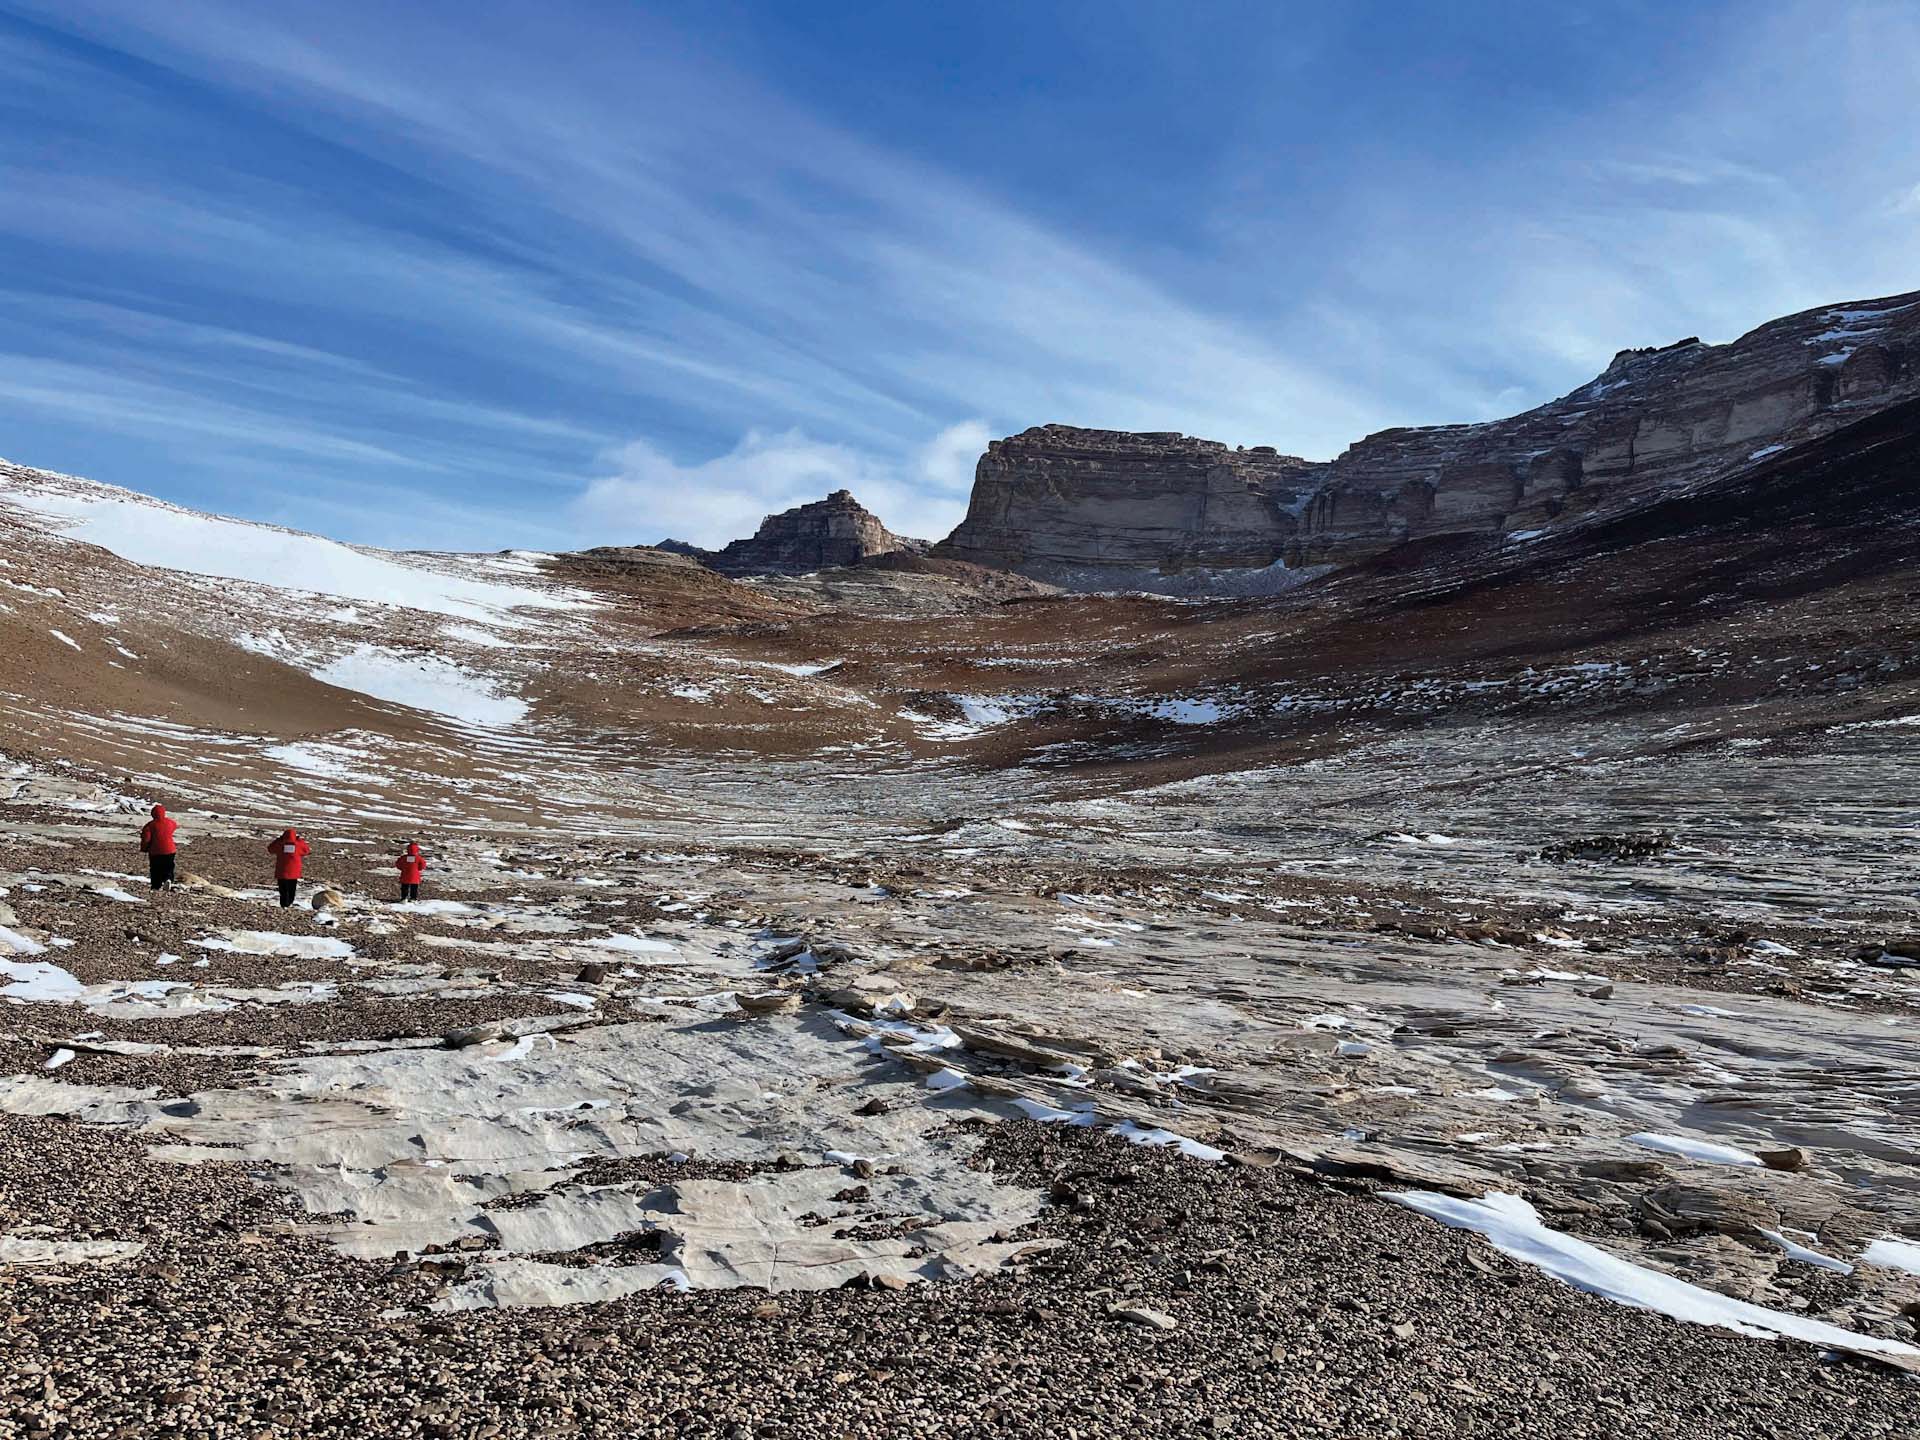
(1182, 1301)
(1473, 997)
(450, 1168)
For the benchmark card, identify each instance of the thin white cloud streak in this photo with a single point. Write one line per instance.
(671, 350)
(113, 401)
(290, 414)
(1757, 189)
(830, 249)
(276, 375)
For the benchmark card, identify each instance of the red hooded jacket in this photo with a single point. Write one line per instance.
(411, 866)
(288, 851)
(156, 836)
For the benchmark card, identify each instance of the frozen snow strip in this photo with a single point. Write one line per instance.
(423, 682)
(1796, 1251)
(1702, 1150)
(925, 1039)
(523, 1047)
(1514, 1228)
(12, 942)
(272, 942)
(31, 1248)
(1080, 1115)
(326, 761)
(1192, 1149)
(1894, 1255)
(1083, 1116)
(40, 982)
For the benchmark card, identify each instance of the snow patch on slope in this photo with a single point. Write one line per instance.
(1688, 1148)
(422, 682)
(151, 533)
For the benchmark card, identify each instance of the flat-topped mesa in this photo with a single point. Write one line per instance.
(1057, 500)
(821, 535)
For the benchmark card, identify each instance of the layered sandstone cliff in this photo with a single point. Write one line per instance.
(1058, 496)
(1059, 502)
(822, 535)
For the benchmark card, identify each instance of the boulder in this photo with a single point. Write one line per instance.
(470, 1035)
(774, 1002)
(1695, 1209)
(1141, 1315)
(193, 880)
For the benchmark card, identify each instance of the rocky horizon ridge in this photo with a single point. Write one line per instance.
(1090, 508)
(1071, 504)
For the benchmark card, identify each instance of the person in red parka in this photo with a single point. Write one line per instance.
(157, 844)
(411, 865)
(288, 851)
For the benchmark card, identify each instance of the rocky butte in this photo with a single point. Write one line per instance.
(820, 535)
(1102, 508)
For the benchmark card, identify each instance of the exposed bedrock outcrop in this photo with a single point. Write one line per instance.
(836, 531)
(1057, 499)
(1057, 495)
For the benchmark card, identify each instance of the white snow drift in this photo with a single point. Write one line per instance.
(148, 532)
(1516, 1230)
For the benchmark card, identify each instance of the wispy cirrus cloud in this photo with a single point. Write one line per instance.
(585, 269)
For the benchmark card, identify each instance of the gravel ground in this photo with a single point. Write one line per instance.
(353, 1015)
(169, 1074)
(1296, 1309)
(1291, 1308)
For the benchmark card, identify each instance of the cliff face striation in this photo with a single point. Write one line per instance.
(822, 535)
(1060, 498)
(1066, 504)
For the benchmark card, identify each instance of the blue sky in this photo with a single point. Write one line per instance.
(482, 275)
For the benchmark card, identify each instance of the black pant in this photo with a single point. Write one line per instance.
(160, 870)
(287, 887)
(408, 892)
